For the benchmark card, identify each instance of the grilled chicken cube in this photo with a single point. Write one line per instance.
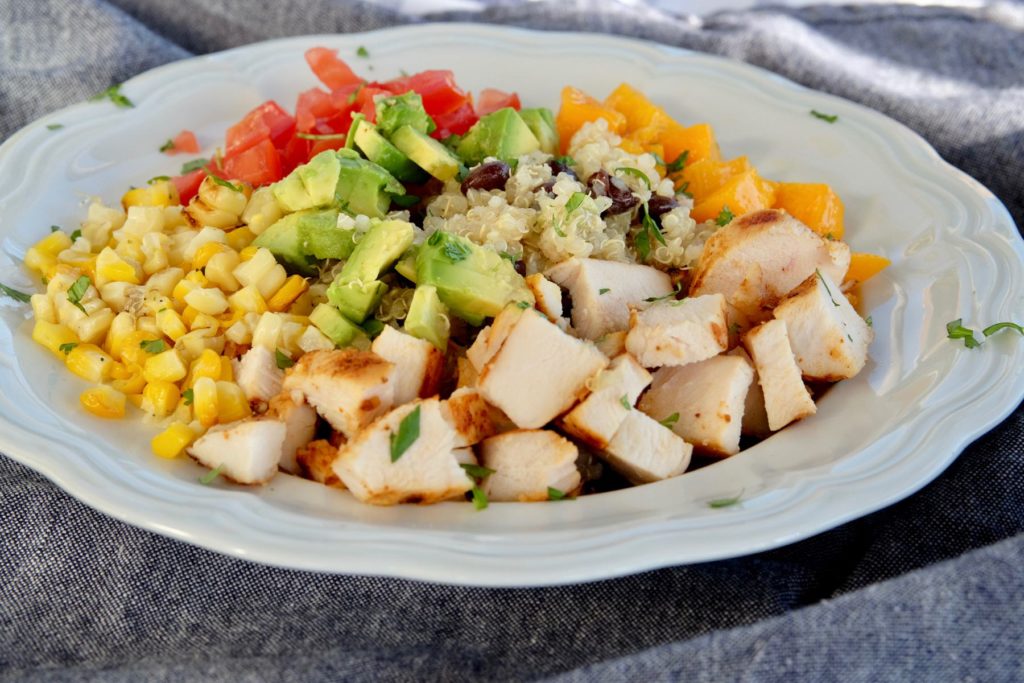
(539, 371)
(709, 397)
(469, 415)
(418, 364)
(467, 376)
(526, 463)
(613, 394)
(246, 452)
(785, 397)
(427, 471)
(299, 420)
(549, 298)
(757, 260)
(258, 375)
(829, 339)
(755, 419)
(348, 388)
(315, 461)
(678, 332)
(603, 292)
(490, 338)
(840, 254)
(643, 450)
(612, 344)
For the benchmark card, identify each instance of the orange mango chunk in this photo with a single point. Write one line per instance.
(814, 204)
(578, 108)
(703, 177)
(699, 140)
(863, 267)
(743, 193)
(634, 105)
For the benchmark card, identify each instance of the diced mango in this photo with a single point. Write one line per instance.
(634, 105)
(703, 177)
(815, 204)
(699, 140)
(742, 194)
(863, 267)
(578, 108)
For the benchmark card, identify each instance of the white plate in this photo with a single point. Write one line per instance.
(875, 439)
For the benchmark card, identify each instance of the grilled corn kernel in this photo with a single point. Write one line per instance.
(42, 308)
(93, 327)
(303, 305)
(155, 301)
(165, 281)
(261, 271)
(127, 379)
(240, 238)
(262, 211)
(40, 262)
(240, 333)
(268, 331)
(130, 249)
(53, 336)
(111, 267)
(132, 352)
(173, 441)
(122, 325)
(141, 220)
(199, 239)
(227, 370)
(204, 401)
(189, 315)
(159, 399)
(103, 401)
(208, 364)
(156, 248)
(160, 193)
(207, 300)
(289, 292)
(247, 300)
(197, 277)
(219, 270)
(196, 341)
(183, 412)
(203, 253)
(89, 362)
(248, 252)
(232, 404)
(170, 323)
(147, 323)
(53, 244)
(204, 321)
(166, 366)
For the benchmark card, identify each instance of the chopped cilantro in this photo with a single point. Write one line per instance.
(555, 494)
(283, 361)
(15, 294)
(157, 179)
(362, 52)
(153, 346)
(78, 290)
(678, 165)
(508, 257)
(67, 348)
(75, 235)
(992, 329)
(725, 502)
(565, 160)
(480, 501)
(523, 305)
(683, 190)
(734, 328)
(210, 476)
(477, 472)
(575, 201)
(167, 146)
(825, 285)
(670, 295)
(189, 395)
(220, 181)
(635, 172)
(354, 95)
(724, 216)
(408, 432)
(456, 251)
(113, 93)
(831, 118)
(670, 421)
(869, 321)
(956, 330)
(193, 165)
(603, 291)
(54, 126)
(54, 228)
(624, 400)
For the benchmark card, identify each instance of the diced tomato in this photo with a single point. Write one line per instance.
(268, 121)
(258, 165)
(312, 104)
(321, 145)
(364, 102)
(188, 185)
(329, 68)
(293, 154)
(492, 100)
(455, 122)
(184, 143)
(437, 88)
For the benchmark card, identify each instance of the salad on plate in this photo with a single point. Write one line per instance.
(417, 295)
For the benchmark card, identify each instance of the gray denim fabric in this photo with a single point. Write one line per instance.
(929, 589)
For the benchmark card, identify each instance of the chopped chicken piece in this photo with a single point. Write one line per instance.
(526, 463)
(315, 461)
(829, 339)
(246, 452)
(467, 374)
(678, 332)
(549, 298)
(840, 254)
(785, 397)
(603, 292)
(490, 339)
(643, 450)
(299, 419)
(427, 472)
(469, 415)
(758, 259)
(755, 419)
(258, 375)
(613, 394)
(418, 364)
(464, 456)
(349, 388)
(709, 397)
(612, 344)
(539, 371)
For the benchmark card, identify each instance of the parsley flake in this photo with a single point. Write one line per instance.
(54, 228)
(78, 290)
(220, 181)
(54, 126)
(575, 201)
(565, 160)
(992, 329)
(624, 400)
(725, 502)
(210, 476)
(670, 295)
(283, 361)
(724, 216)
(15, 294)
(523, 305)
(189, 395)
(153, 346)
(670, 421)
(167, 146)
(194, 165)
(67, 348)
(825, 285)
(456, 251)
(869, 321)
(480, 501)
(477, 472)
(603, 291)
(408, 432)
(362, 52)
(956, 330)
(555, 494)
(678, 165)
(831, 118)
(75, 235)
(113, 93)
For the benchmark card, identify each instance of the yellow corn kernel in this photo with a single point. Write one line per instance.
(171, 324)
(135, 400)
(247, 300)
(53, 336)
(130, 249)
(262, 211)
(303, 305)
(207, 300)
(240, 238)
(103, 401)
(159, 399)
(41, 262)
(156, 302)
(160, 193)
(196, 341)
(173, 441)
(183, 413)
(165, 281)
(111, 267)
(92, 328)
(219, 270)
(89, 362)
(204, 321)
(127, 379)
(232, 404)
(197, 277)
(147, 323)
(227, 370)
(122, 325)
(261, 271)
(132, 352)
(182, 289)
(268, 331)
(42, 308)
(53, 244)
(248, 252)
(189, 315)
(289, 292)
(240, 333)
(156, 247)
(208, 364)
(204, 401)
(203, 253)
(166, 366)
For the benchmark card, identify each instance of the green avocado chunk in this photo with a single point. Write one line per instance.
(542, 124)
(357, 291)
(310, 185)
(502, 134)
(403, 110)
(428, 318)
(474, 282)
(285, 243)
(299, 238)
(428, 153)
(364, 187)
(378, 150)
(332, 323)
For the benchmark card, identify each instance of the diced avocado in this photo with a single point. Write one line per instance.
(502, 134)
(406, 266)
(542, 124)
(363, 187)
(338, 329)
(310, 185)
(350, 139)
(474, 282)
(428, 153)
(356, 291)
(373, 327)
(403, 110)
(284, 242)
(428, 318)
(378, 150)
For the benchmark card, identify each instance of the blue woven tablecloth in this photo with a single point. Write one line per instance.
(930, 589)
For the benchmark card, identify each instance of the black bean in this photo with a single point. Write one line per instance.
(602, 184)
(659, 204)
(490, 176)
(557, 167)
